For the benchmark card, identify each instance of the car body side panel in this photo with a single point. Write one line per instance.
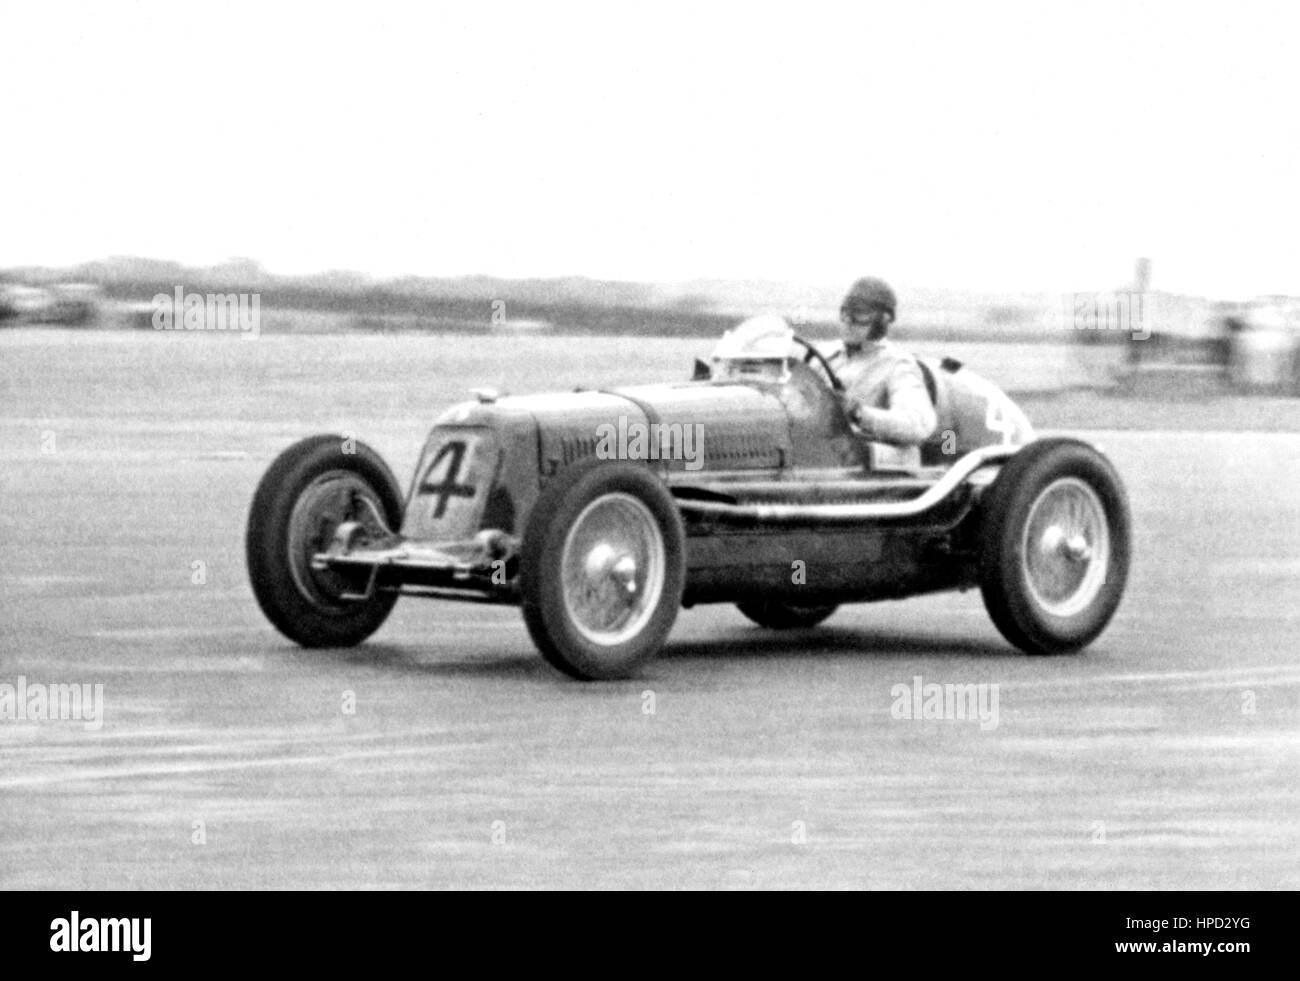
(817, 566)
(835, 562)
(822, 437)
(742, 427)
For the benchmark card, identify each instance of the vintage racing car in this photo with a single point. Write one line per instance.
(602, 512)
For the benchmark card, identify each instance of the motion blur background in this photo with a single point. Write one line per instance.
(402, 166)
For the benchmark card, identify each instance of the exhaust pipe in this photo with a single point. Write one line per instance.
(838, 513)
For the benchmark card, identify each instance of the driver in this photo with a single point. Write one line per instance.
(885, 394)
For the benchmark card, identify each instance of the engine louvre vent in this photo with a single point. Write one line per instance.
(574, 447)
(745, 449)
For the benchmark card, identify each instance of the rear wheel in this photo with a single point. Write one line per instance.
(310, 489)
(780, 615)
(602, 568)
(1055, 552)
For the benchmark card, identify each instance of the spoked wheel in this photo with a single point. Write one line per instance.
(312, 488)
(1055, 552)
(602, 569)
(1066, 547)
(613, 569)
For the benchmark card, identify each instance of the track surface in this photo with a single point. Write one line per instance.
(769, 760)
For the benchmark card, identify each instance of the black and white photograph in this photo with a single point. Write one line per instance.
(677, 447)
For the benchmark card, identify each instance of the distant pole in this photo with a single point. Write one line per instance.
(1141, 283)
(1142, 275)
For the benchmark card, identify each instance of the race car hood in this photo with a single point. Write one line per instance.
(485, 461)
(690, 427)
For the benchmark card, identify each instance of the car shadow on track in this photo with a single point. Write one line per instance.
(743, 644)
(425, 660)
(821, 641)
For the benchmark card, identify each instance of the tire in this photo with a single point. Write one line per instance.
(1054, 554)
(614, 530)
(307, 492)
(779, 615)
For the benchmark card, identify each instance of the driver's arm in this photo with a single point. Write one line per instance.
(908, 417)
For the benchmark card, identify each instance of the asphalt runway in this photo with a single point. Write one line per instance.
(1166, 756)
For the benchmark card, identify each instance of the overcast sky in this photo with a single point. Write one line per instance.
(984, 146)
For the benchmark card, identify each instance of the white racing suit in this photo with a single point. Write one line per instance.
(930, 412)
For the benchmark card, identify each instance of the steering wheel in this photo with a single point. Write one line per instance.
(812, 354)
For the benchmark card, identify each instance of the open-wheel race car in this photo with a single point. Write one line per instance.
(603, 512)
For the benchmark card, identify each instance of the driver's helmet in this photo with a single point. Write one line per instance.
(868, 294)
(757, 347)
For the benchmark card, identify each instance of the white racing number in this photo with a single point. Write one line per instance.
(1000, 417)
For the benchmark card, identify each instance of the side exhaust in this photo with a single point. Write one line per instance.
(867, 511)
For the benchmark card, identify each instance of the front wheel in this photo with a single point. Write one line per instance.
(1054, 555)
(310, 489)
(602, 569)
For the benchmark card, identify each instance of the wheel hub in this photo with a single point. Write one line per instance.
(329, 502)
(1074, 547)
(605, 562)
